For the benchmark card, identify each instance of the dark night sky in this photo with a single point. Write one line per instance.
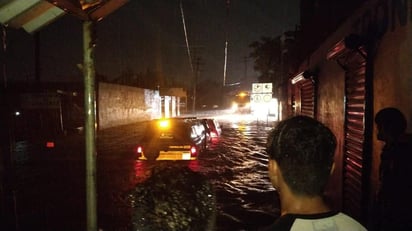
(149, 34)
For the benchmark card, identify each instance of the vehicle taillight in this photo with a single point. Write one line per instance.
(50, 144)
(193, 151)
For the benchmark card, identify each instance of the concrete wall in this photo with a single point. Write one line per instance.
(120, 105)
(391, 22)
(393, 77)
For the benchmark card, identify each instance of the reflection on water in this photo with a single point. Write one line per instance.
(235, 165)
(143, 169)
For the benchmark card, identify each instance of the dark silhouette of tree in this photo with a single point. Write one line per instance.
(149, 79)
(266, 54)
(276, 58)
(153, 79)
(208, 93)
(127, 77)
(101, 77)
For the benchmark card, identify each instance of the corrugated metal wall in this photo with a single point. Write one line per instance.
(354, 134)
(303, 100)
(307, 94)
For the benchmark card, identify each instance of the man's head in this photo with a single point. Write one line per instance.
(302, 149)
(174, 198)
(391, 123)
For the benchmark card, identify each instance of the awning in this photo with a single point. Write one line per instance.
(32, 15)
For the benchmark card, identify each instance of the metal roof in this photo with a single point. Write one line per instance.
(32, 15)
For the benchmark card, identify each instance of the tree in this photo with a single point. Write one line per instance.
(267, 56)
(126, 77)
(208, 93)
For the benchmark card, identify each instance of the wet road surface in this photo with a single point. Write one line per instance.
(50, 187)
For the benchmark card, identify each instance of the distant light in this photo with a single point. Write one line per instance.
(234, 107)
(242, 94)
(17, 113)
(50, 144)
(164, 124)
(298, 78)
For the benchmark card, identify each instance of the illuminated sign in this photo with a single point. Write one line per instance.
(262, 88)
(261, 98)
(261, 92)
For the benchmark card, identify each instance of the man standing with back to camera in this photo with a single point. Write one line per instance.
(394, 196)
(301, 152)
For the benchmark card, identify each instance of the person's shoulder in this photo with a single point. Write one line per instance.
(323, 221)
(404, 147)
(347, 222)
(326, 221)
(406, 139)
(283, 223)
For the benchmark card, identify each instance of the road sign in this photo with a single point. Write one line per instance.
(256, 98)
(262, 88)
(261, 98)
(267, 98)
(267, 88)
(256, 88)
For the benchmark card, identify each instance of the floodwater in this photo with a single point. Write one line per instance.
(49, 190)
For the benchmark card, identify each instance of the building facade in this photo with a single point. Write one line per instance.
(360, 68)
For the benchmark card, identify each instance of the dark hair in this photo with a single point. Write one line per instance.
(392, 120)
(303, 149)
(174, 198)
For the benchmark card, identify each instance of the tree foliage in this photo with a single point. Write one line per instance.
(149, 79)
(267, 55)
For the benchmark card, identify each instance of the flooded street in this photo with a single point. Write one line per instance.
(51, 192)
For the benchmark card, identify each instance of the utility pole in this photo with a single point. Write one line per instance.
(90, 123)
(196, 76)
(186, 37)
(7, 213)
(226, 42)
